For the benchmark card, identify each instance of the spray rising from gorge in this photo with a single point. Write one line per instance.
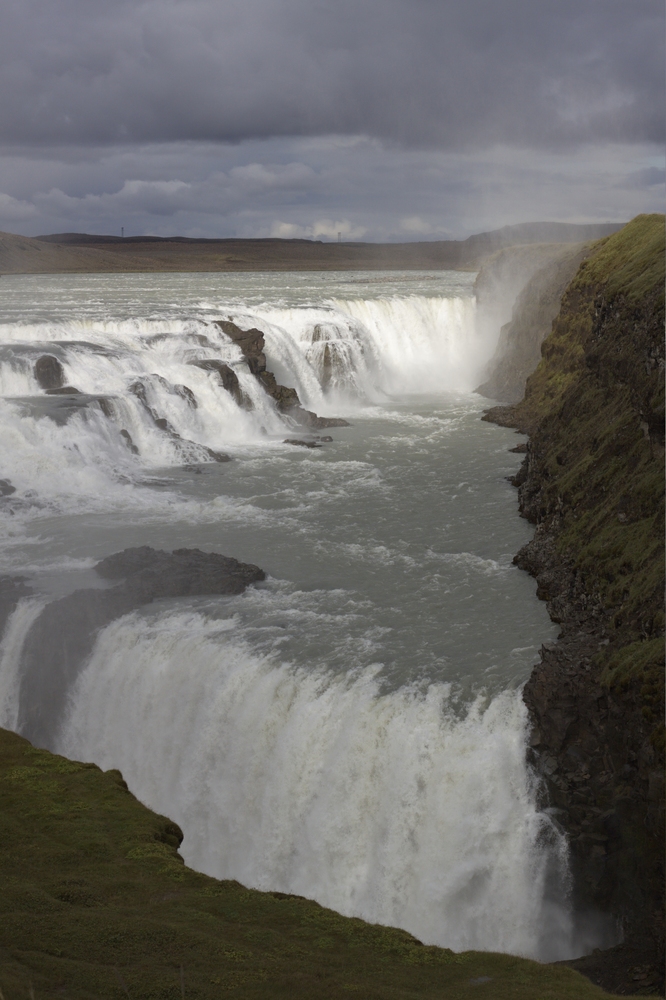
(352, 728)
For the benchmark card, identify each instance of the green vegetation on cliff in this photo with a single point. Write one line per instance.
(96, 902)
(595, 408)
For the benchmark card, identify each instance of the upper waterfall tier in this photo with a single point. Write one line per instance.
(134, 381)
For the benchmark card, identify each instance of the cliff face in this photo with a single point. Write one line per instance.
(536, 306)
(592, 482)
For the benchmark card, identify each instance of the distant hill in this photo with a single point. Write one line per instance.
(84, 252)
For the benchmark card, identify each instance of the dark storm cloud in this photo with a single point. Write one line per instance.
(452, 74)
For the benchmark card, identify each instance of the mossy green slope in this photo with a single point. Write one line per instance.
(96, 902)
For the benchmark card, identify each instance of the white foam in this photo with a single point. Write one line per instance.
(14, 636)
(468, 560)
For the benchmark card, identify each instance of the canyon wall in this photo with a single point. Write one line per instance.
(592, 483)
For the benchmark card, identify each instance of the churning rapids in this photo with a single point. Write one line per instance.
(351, 729)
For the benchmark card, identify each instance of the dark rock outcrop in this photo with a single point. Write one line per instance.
(64, 634)
(6, 488)
(302, 444)
(186, 393)
(64, 390)
(178, 573)
(49, 372)
(138, 389)
(251, 343)
(306, 418)
(592, 483)
(127, 438)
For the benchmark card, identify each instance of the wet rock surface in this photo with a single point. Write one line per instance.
(49, 372)
(591, 745)
(251, 343)
(306, 418)
(302, 444)
(139, 388)
(64, 634)
(178, 573)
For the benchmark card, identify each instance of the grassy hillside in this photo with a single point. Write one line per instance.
(96, 902)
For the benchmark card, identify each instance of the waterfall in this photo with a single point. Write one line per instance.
(347, 733)
(391, 807)
(144, 405)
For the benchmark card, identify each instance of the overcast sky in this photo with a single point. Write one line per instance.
(380, 119)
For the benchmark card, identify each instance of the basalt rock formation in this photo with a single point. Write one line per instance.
(592, 483)
(64, 633)
(51, 377)
(138, 389)
(251, 343)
